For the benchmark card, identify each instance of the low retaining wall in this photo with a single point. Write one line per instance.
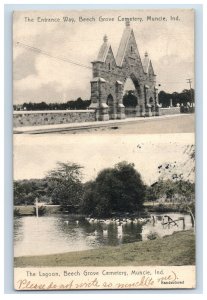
(169, 111)
(130, 112)
(187, 110)
(35, 118)
(51, 117)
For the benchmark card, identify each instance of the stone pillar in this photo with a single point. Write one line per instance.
(140, 108)
(119, 100)
(97, 68)
(171, 104)
(148, 109)
(158, 110)
(94, 94)
(156, 95)
(157, 105)
(103, 107)
(98, 99)
(112, 108)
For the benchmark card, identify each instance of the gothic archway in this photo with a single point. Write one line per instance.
(136, 85)
(131, 95)
(110, 74)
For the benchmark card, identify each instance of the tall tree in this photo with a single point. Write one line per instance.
(118, 189)
(65, 185)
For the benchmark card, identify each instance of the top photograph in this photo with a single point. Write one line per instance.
(103, 71)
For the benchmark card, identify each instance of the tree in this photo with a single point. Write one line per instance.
(162, 189)
(65, 185)
(89, 197)
(183, 187)
(182, 98)
(25, 191)
(117, 189)
(129, 99)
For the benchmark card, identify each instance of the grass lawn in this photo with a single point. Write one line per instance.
(177, 249)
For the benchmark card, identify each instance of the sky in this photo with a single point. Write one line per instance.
(37, 77)
(36, 155)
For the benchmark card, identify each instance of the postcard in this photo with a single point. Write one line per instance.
(104, 149)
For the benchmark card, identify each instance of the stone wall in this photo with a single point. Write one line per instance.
(35, 118)
(130, 112)
(170, 111)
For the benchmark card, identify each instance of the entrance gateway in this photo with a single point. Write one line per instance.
(110, 75)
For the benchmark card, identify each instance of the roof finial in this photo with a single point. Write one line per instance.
(127, 22)
(146, 54)
(105, 39)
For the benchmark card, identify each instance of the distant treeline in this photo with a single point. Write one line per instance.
(183, 98)
(73, 104)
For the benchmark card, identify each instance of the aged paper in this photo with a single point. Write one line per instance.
(104, 149)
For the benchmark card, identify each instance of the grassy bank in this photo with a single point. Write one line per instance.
(166, 207)
(28, 210)
(177, 249)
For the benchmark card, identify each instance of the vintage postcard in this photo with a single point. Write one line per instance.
(104, 149)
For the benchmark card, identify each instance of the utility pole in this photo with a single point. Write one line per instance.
(189, 80)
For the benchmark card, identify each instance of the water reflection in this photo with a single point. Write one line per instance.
(166, 224)
(63, 233)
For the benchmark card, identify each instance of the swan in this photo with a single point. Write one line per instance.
(105, 232)
(120, 230)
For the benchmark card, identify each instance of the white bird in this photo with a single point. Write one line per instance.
(105, 232)
(135, 221)
(107, 222)
(120, 230)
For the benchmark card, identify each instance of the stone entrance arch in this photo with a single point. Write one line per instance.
(110, 75)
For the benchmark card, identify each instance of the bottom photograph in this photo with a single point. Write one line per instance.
(105, 212)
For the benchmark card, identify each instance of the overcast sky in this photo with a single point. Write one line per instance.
(41, 78)
(35, 155)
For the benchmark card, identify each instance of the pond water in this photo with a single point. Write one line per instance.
(66, 233)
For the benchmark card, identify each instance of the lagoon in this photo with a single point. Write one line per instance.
(60, 233)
